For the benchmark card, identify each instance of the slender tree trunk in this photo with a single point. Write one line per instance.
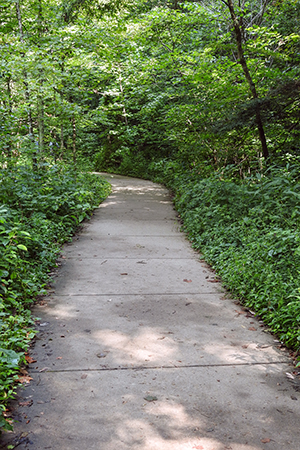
(25, 82)
(40, 100)
(74, 136)
(62, 139)
(9, 143)
(122, 94)
(40, 119)
(252, 87)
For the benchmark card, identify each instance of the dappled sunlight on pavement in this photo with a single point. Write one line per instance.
(144, 346)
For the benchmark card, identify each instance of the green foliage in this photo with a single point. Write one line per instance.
(40, 210)
(156, 80)
(249, 232)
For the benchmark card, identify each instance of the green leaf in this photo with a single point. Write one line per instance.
(22, 247)
(7, 426)
(9, 357)
(151, 398)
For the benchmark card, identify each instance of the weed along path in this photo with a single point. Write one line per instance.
(139, 347)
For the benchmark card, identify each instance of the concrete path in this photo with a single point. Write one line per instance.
(139, 347)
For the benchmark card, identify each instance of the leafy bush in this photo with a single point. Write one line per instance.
(249, 232)
(40, 210)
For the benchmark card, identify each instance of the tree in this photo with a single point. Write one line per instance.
(237, 24)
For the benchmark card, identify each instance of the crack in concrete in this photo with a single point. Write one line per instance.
(126, 259)
(189, 366)
(132, 295)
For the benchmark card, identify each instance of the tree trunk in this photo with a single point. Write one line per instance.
(9, 142)
(243, 62)
(122, 94)
(41, 124)
(40, 101)
(25, 82)
(62, 140)
(74, 139)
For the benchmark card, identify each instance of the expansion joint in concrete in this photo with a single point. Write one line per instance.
(107, 294)
(145, 368)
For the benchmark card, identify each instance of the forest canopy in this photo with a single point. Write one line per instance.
(87, 81)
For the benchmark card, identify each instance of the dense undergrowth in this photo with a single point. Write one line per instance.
(248, 230)
(250, 234)
(39, 211)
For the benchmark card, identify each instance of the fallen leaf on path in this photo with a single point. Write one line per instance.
(124, 273)
(290, 376)
(293, 397)
(213, 281)
(187, 281)
(84, 376)
(29, 360)
(252, 329)
(265, 440)
(28, 403)
(24, 379)
(59, 357)
(150, 398)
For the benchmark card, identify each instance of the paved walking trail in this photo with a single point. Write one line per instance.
(139, 348)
